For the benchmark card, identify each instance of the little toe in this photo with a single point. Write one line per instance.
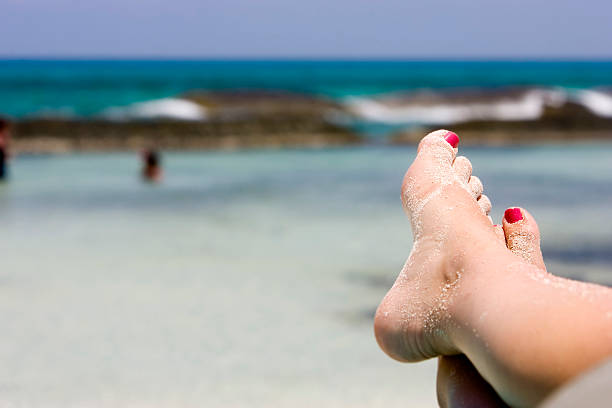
(463, 168)
(523, 236)
(475, 186)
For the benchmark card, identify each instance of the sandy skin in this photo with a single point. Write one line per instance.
(463, 290)
(458, 383)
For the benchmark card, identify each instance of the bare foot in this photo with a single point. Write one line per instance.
(459, 384)
(449, 216)
(462, 291)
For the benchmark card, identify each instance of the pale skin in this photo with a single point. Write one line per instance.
(482, 291)
(459, 384)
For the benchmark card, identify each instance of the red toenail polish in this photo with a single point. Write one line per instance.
(513, 215)
(452, 139)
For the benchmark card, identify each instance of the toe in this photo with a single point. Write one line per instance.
(463, 168)
(475, 186)
(431, 169)
(485, 204)
(523, 236)
(439, 146)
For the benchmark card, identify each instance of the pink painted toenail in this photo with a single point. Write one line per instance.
(513, 215)
(452, 139)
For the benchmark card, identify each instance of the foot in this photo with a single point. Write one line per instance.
(449, 216)
(459, 384)
(462, 291)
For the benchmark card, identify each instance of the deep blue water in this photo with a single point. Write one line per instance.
(62, 87)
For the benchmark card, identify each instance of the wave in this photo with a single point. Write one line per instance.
(598, 102)
(440, 108)
(422, 107)
(427, 107)
(166, 108)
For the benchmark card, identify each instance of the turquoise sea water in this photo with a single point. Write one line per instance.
(245, 278)
(66, 88)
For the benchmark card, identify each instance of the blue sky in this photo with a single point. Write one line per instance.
(307, 28)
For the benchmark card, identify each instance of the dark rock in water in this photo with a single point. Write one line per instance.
(65, 135)
(234, 120)
(261, 104)
(568, 122)
(567, 117)
(250, 119)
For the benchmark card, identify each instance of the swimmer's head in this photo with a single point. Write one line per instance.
(151, 158)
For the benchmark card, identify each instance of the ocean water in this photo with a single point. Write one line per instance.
(245, 278)
(85, 88)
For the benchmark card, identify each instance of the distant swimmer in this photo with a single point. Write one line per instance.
(5, 129)
(151, 170)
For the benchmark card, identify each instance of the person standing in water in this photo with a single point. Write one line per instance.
(4, 146)
(151, 169)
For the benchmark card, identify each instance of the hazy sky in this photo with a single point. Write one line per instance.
(307, 28)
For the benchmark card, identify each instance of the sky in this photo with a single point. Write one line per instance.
(307, 28)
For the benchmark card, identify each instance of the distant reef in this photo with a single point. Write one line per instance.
(268, 119)
(233, 120)
(567, 123)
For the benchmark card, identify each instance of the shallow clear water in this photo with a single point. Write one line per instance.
(245, 278)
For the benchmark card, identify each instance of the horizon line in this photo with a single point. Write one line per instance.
(313, 58)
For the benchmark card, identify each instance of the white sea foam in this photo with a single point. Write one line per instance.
(167, 108)
(600, 103)
(528, 105)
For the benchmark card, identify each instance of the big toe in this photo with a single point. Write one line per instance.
(523, 236)
(439, 147)
(431, 168)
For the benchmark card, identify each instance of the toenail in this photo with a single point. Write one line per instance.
(513, 215)
(452, 138)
